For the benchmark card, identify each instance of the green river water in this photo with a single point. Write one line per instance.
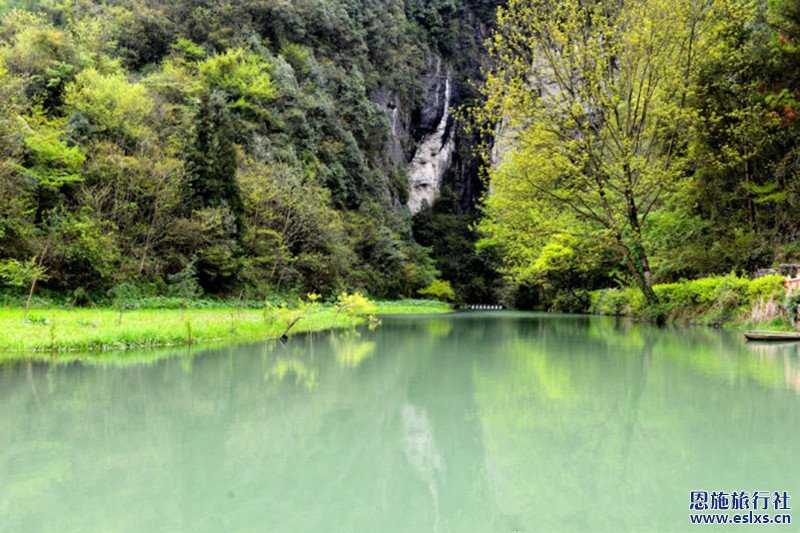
(486, 422)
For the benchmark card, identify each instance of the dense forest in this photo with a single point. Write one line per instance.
(274, 146)
(250, 145)
(640, 143)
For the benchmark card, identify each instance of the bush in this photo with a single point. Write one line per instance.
(571, 302)
(616, 302)
(439, 290)
(715, 300)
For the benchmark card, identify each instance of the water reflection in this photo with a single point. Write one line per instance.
(350, 349)
(421, 451)
(786, 355)
(284, 367)
(494, 422)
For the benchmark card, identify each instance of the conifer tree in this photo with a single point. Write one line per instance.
(212, 159)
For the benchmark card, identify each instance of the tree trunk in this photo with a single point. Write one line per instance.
(33, 284)
(640, 268)
(751, 208)
(636, 256)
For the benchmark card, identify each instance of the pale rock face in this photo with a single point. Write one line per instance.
(430, 130)
(432, 159)
(503, 142)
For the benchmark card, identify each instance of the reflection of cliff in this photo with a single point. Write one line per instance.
(421, 451)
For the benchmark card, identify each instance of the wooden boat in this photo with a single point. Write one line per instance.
(772, 336)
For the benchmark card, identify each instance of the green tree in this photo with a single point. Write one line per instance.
(51, 162)
(243, 76)
(598, 95)
(439, 290)
(211, 161)
(117, 108)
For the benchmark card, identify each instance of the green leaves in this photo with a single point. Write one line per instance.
(53, 163)
(594, 102)
(115, 106)
(15, 273)
(243, 75)
(439, 290)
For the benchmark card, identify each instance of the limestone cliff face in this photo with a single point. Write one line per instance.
(422, 142)
(434, 154)
(503, 142)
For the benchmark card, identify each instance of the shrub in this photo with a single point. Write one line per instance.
(244, 76)
(571, 302)
(766, 288)
(354, 304)
(714, 300)
(439, 290)
(114, 105)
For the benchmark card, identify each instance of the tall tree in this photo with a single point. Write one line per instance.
(212, 158)
(597, 95)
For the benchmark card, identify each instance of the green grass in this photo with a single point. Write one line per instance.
(775, 324)
(412, 307)
(96, 330)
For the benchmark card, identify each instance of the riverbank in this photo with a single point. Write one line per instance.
(100, 329)
(719, 301)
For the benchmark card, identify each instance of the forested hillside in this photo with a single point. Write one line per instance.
(259, 145)
(642, 142)
(271, 146)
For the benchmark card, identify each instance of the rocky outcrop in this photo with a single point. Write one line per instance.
(502, 143)
(434, 132)
(423, 142)
(433, 157)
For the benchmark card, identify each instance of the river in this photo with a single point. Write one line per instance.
(486, 422)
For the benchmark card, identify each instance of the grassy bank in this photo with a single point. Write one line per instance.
(715, 301)
(411, 307)
(76, 329)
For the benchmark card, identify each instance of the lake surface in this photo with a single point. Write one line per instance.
(486, 422)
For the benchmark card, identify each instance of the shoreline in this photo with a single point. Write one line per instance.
(99, 330)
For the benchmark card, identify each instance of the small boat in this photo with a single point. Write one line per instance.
(772, 336)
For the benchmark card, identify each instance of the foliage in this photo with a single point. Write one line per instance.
(714, 300)
(242, 75)
(449, 233)
(16, 273)
(211, 162)
(354, 304)
(598, 97)
(291, 239)
(51, 162)
(124, 296)
(114, 106)
(439, 290)
(139, 138)
(184, 284)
